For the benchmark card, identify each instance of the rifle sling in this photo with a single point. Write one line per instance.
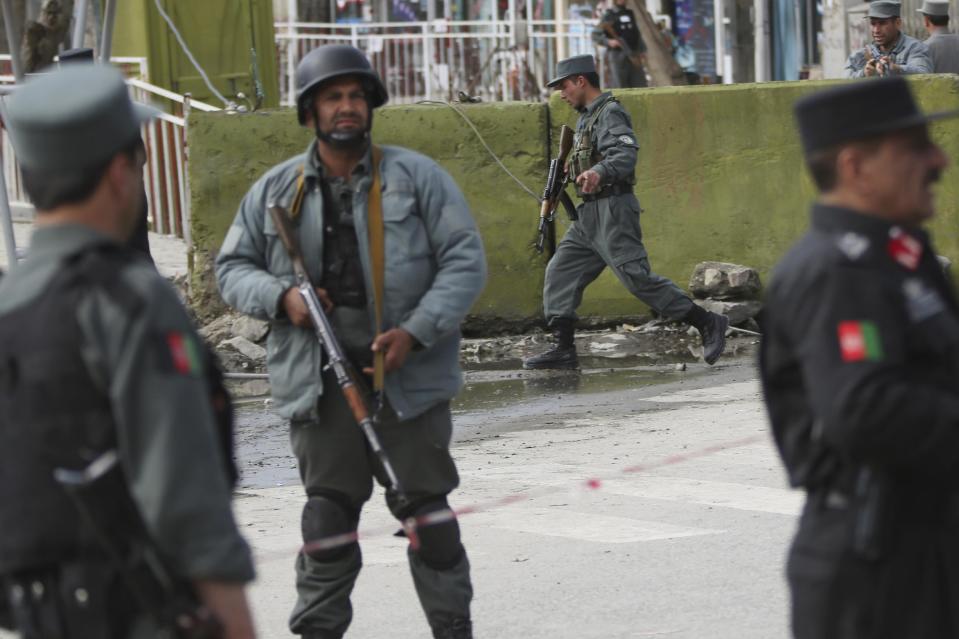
(378, 261)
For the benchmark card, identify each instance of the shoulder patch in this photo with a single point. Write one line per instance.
(625, 139)
(853, 245)
(179, 353)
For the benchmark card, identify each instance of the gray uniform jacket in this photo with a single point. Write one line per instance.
(909, 53)
(166, 431)
(435, 270)
(614, 139)
(944, 51)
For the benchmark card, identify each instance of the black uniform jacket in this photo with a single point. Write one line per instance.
(860, 354)
(859, 367)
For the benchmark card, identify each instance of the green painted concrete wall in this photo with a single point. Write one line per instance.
(720, 177)
(229, 151)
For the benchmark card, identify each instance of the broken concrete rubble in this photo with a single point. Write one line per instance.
(725, 281)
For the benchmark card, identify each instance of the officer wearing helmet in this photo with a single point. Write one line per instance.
(434, 270)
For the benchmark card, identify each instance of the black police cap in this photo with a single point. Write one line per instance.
(858, 110)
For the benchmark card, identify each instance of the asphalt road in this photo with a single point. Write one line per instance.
(688, 549)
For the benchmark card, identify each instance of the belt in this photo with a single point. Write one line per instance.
(607, 191)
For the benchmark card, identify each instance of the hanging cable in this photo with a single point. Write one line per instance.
(485, 145)
(186, 50)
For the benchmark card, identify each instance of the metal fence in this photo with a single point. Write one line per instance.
(492, 59)
(165, 172)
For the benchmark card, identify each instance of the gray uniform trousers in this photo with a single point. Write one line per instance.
(334, 459)
(607, 234)
(625, 74)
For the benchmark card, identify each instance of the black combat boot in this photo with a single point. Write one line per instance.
(563, 354)
(448, 627)
(712, 328)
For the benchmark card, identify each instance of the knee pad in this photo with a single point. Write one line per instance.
(323, 517)
(440, 545)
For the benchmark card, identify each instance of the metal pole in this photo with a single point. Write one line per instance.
(6, 216)
(719, 13)
(13, 38)
(761, 39)
(106, 41)
(79, 23)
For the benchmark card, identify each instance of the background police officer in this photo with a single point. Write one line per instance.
(607, 233)
(943, 46)
(892, 52)
(435, 268)
(625, 72)
(98, 361)
(859, 363)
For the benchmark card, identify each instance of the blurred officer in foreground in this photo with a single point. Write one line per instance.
(431, 267)
(140, 238)
(860, 369)
(114, 474)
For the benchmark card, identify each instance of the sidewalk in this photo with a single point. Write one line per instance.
(169, 252)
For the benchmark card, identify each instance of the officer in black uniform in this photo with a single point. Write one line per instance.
(625, 72)
(859, 364)
(115, 517)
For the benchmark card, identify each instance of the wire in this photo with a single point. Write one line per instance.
(485, 145)
(186, 50)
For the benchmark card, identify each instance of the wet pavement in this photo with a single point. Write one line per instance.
(498, 396)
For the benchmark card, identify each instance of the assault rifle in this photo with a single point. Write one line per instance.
(336, 361)
(636, 57)
(554, 193)
(876, 54)
(102, 498)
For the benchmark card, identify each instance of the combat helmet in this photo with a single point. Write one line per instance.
(330, 61)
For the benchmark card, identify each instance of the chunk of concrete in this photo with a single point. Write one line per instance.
(244, 347)
(249, 328)
(725, 281)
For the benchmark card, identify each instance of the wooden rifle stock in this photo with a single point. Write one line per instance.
(337, 362)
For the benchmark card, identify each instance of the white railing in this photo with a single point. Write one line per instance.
(492, 59)
(165, 172)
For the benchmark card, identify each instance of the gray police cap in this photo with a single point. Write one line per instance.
(577, 65)
(884, 9)
(935, 9)
(73, 118)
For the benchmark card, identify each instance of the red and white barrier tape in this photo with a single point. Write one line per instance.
(412, 524)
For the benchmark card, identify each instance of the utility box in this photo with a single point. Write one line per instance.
(231, 39)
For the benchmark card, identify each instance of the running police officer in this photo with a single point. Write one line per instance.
(607, 231)
(114, 485)
(859, 363)
(892, 52)
(626, 73)
(435, 268)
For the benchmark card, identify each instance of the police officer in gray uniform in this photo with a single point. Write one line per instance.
(434, 270)
(607, 231)
(943, 45)
(892, 52)
(112, 419)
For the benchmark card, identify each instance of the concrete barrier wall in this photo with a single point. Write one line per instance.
(720, 177)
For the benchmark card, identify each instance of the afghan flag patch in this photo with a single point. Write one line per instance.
(859, 342)
(184, 354)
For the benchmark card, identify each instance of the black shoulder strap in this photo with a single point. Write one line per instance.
(99, 266)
